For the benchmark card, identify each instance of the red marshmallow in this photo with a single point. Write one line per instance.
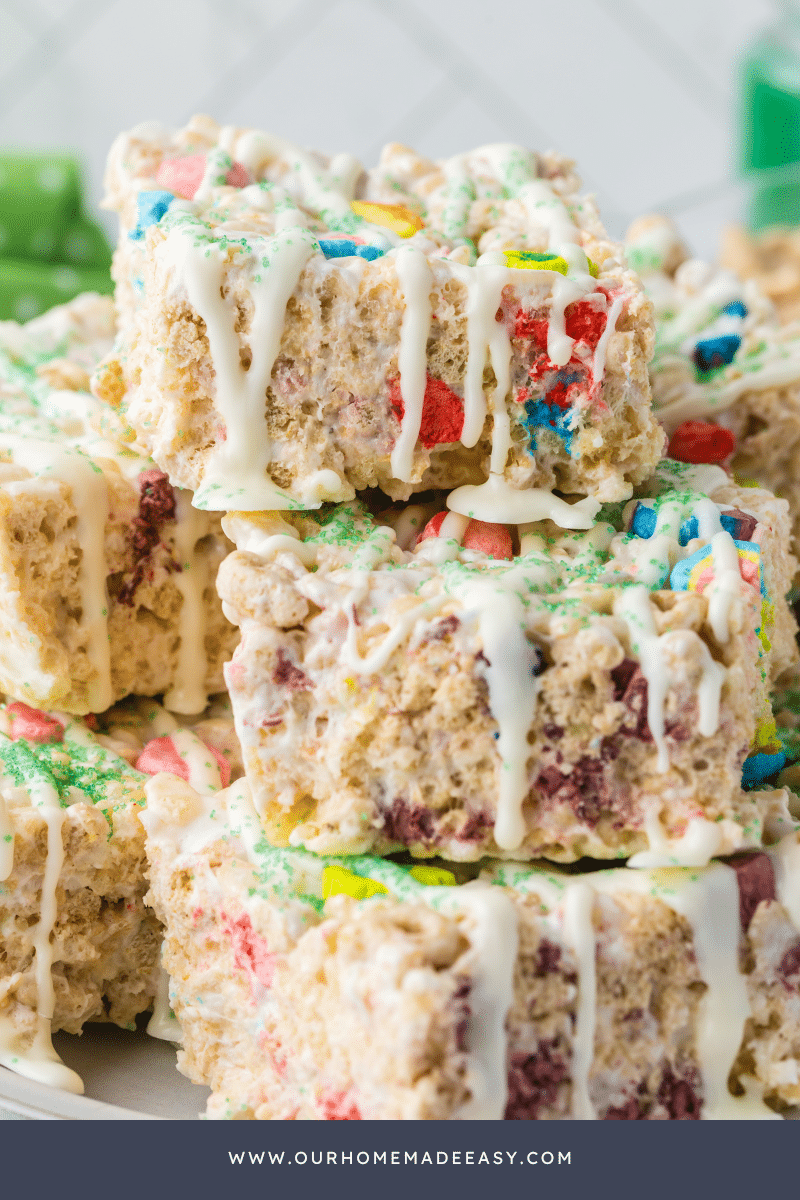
(442, 412)
(490, 539)
(701, 442)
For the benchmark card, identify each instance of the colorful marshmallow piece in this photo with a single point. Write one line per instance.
(541, 414)
(490, 539)
(160, 754)
(484, 536)
(531, 260)
(738, 524)
(735, 309)
(766, 736)
(442, 412)
(432, 528)
(719, 351)
(695, 573)
(349, 248)
(183, 176)
(758, 767)
(238, 176)
(701, 442)
(644, 521)
(396, 217)
(150, 208)
(433, 876)
(337, 881)
(33, 725)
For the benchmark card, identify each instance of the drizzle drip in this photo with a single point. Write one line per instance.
(237, 475)
(416, 281)
(40, 1061)
(188, 692)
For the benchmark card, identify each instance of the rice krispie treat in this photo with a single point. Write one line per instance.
(772, 259)
(297, 328)
(77, 942)
(318, 988)
(726, 373)
(567, 687)
(106, 573)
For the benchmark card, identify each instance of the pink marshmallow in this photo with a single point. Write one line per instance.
(183, 176)
(33, 725)
(250, 950)
(490, 539)
(160, 755)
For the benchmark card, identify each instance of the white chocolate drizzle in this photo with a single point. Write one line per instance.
(494, 942)
(696, 847)
(324, 190)
(709, 900)
(601, 349)
(204, 774)
(188, 692)
(416, 280)
(496, 501)
(580, 936)
(510, 676)
(725, 589)
(634, 607)
(237, 475)
(163, 1024)
(486, 335)
(485, 282)
(40, 1061)
(786, 861)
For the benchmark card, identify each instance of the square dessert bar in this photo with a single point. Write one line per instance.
(106, 573)
(726, 373)
(78, 942)
(569, 687)
(297, 328)
(318, 988)
(772, 259)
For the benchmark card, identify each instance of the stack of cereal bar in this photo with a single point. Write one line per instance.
(507, 842)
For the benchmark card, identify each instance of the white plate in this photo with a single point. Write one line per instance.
(128, 1077)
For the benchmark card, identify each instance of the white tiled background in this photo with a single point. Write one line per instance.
(640, 92)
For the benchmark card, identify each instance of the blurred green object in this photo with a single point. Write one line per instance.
(30, 288)
(49, 249)
(770, 121)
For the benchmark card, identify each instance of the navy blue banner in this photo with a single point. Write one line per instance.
(297, 1160)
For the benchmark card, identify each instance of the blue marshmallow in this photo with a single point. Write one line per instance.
(732, 525)
(759, 767)
(345, 248)
(150, 208)
(716, 351)
(644, 521)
